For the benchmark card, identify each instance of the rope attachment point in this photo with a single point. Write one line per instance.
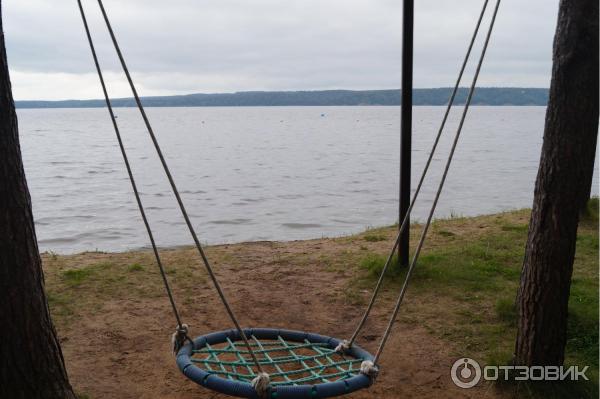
(261, 384)
(369, 369)
(343, 347)
(179, 337)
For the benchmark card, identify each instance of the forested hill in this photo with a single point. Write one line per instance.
(438, 96)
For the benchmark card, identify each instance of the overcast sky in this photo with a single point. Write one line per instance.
(189, 46)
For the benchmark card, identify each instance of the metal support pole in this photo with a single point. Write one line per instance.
(406, 123)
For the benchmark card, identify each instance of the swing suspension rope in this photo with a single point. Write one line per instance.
(348, 344)
(181, 333)
(293, 358)
(128, 167)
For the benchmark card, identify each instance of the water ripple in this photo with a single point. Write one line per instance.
(251, 177)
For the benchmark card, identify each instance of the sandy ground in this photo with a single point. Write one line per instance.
(120, 348)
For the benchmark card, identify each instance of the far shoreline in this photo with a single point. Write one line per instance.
(489, 96)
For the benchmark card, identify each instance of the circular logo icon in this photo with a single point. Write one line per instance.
(465, 373)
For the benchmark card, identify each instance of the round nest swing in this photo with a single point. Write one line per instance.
(299, 364)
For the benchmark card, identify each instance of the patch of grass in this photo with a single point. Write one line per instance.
(592, 209)
(587, 241)
(506, 311)
(446, 233)
(374, 264)
(353, 297)
(374, 237)
(474, 280)
(76, 276)
(515, 227)
(135, 267)
(60, 303)
(547, 389)
(582, 331)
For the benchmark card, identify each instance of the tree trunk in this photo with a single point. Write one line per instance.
(31, 362)
(562, 184)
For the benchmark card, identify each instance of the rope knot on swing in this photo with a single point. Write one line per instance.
(261, 384)
(369, 369)
(179, 336)
(343, 347)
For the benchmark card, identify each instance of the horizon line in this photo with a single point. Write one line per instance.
(278, 91)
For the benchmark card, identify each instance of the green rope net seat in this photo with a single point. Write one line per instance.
(299, 364)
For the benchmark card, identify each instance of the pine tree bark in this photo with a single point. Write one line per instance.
(31, 361)
(562, 184)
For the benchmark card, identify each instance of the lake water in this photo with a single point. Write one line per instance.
(272, 173)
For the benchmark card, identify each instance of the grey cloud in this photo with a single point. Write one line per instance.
(183, 46)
